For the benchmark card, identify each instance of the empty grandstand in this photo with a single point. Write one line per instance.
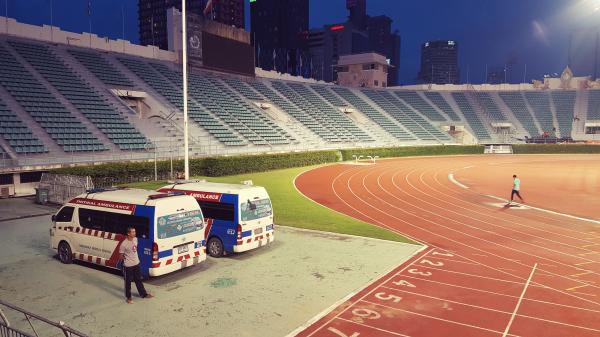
(60, 99)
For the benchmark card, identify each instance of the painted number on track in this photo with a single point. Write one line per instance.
(388, 297)
(443, 254)
(431, 263)
(366, 313)
(417, 272)
(404, 283)
(341, 334)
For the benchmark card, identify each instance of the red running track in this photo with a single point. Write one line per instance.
(488, 270)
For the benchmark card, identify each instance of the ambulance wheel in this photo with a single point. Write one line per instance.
(214, 247)
(64, 253)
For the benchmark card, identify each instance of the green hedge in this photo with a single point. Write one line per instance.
(127, 172)
(224, 166)
(412, 151)
(555, 148)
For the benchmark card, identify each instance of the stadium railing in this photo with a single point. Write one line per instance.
(6, 330)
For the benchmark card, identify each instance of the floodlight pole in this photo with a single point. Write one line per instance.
(186, 157)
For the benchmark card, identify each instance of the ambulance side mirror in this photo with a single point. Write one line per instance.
(53, 217)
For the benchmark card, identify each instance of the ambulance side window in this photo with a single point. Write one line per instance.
(217, 211)
(65, 214)
(92, 219)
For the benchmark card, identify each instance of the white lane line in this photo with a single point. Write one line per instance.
(547, 210)
(472, 275)
(512, 317)
(451, 178)
(432, 317)
(367, 326)
(500, 294)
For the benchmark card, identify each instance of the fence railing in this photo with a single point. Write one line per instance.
(7, 330)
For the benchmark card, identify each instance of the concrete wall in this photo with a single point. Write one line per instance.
(47, 33)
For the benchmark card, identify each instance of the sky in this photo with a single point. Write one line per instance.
(532, 35)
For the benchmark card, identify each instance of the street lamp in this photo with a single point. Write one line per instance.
(186, 156)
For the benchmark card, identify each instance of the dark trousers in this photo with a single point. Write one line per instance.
(512, 195)
(133, 274)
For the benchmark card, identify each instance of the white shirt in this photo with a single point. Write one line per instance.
(129, 250)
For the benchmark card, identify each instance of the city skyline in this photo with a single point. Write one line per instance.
(491, 34)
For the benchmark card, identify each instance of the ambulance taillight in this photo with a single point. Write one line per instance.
(239, 231)
(155, 251)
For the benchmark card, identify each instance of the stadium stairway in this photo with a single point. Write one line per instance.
(476, 124)
(381, 137)
(30, 126)
(103, 76)
(161, 87)
(539, 103)
(386, 103)
(418, 117)
(518, 106)
(563, 103)
(362, 103)
(442, 104)
(334, 113)
(296, 130)
(417, 103)
(31, 91)
(520, 131)
(91, 127)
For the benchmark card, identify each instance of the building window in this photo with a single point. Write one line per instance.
(383, 84)
(376, 83)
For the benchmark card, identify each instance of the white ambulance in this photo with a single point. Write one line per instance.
(169, 227)
(239, 217)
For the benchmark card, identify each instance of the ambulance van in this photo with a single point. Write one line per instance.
(169, 227)
(239, 217)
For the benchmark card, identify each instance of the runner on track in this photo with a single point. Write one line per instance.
(515, 190)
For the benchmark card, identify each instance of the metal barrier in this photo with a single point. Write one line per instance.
(6, 330)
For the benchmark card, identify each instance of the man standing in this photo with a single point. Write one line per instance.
(131, 265)
(516, 188)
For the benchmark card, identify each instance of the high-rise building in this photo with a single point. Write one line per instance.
(384, 42)
(152, 16)
(439, 62)
(229, 12)
(279, 29)
(360, 34)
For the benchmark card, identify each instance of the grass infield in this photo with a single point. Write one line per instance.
(293, 209)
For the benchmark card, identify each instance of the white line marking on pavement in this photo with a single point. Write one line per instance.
(512, 317)
(451, 178)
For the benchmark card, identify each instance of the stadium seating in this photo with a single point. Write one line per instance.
(489, 106)
(64, 128)
(329, 96)
(564, 103)
(91, 104)
(314, 121)
(516, 103)
(437, 99)
(335, 115)
(244, 89)
(471, 116)
(413, 99)
(540, 104)
(594, 105)
(173, 94)
(98, 66)
(383, 121)
(17, 134)
(383, 100)
(221, 101)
